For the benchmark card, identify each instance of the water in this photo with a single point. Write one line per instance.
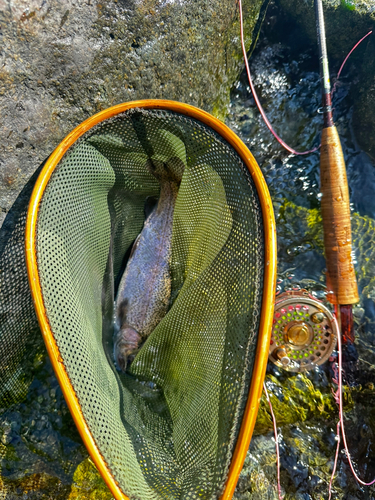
(38, 435)
(287, 80)
(40, 447)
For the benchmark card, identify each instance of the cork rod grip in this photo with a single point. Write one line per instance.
(341, 280)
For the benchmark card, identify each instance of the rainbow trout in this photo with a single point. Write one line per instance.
(145, 287)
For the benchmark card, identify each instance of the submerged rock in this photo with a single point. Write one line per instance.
(88, 483)
(62, 62)
(347, 21)
(306, 460)
(33, 487)
(300, 232)
(295, 398)
(307, 451)
(39, 445)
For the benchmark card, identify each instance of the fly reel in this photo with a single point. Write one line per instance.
(304, 332)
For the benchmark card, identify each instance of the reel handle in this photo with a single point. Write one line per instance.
(341, 280)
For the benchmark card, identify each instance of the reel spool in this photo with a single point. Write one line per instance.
(304, 332)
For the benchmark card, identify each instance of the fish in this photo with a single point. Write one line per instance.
(145, 288)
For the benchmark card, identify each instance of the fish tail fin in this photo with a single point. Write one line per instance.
(170, 171)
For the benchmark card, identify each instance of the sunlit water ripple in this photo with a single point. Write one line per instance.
(289, 88)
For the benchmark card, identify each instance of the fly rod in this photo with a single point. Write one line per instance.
(341, 280)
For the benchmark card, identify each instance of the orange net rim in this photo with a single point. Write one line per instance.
(269, 284)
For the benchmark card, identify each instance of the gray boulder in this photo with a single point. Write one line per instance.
(62, 61)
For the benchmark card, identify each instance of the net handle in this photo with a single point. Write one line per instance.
(269, 284)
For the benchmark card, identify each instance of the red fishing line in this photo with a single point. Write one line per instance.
(338, 394)
(341, 415)
(276, 442)
(257, 101)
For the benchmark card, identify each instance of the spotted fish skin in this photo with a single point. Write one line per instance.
(145, 287)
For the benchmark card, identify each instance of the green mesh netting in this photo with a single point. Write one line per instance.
(167, 427)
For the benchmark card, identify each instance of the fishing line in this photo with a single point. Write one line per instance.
(257, 101)
(335, 462)
(256, 98)
(340, 429)
(346, 58)
(276, 442)
(341, 416)
(338, 395)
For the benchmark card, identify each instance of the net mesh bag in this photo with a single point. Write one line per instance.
(167, 426)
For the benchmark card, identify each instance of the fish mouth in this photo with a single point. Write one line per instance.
(126, 346)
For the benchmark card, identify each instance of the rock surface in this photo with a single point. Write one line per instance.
(63, 61)
(88, 483)
(364, 110)
(347, 21)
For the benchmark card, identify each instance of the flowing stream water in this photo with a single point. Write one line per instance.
(285, 70)
(39, 440)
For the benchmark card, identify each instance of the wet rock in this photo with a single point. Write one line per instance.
(34, 487)
(39, 443)
(347, 21)
(61, 62)
(295, 398)
(88, 484)
(364, 109)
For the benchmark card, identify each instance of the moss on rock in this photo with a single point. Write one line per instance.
(88, 483)
(301, 226)
(38, 486)
(294, 398)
